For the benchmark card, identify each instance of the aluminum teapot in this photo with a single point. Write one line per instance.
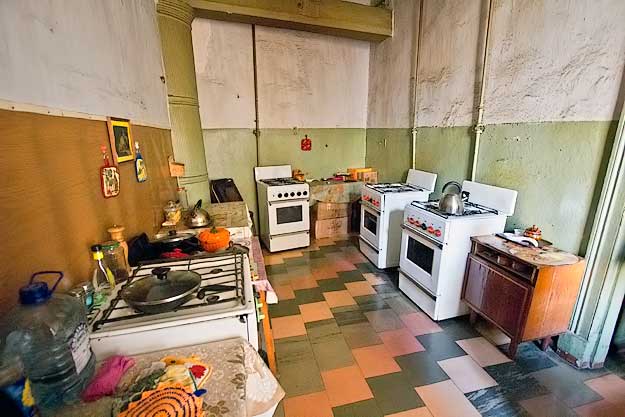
(452, 202)
(198, 217)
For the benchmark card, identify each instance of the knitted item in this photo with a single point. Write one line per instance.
(107, 378)
(171, 401)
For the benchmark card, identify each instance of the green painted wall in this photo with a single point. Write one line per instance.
(554, 167)
(389, 151)
(332, 149)
(231, 153)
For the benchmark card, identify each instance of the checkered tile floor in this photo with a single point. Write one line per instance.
(349, 344)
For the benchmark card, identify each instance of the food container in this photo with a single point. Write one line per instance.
(84, 292)
(214, 239)
(115, 259)
(533, 232)
(173, 212)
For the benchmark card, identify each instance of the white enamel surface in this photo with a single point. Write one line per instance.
(277, 171)
(421, 179)
(498, 198)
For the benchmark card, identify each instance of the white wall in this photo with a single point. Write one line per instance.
(555, 60)
(311, 80)
(225, 73)
(97, 57)
(550, 60)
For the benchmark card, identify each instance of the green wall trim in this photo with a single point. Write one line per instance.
(557, 168)
(332, 149)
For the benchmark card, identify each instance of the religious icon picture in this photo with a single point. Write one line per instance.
(120, 137)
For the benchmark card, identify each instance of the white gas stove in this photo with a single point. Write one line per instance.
(283, 208)
(227, 309)
(382, 208)
(435, 246)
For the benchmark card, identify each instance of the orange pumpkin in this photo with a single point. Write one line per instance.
(214, 239)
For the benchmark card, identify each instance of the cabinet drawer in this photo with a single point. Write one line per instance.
(510, 264)
(500, 298)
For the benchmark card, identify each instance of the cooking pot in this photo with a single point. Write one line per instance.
(162, 291)
(452, 202)
(198, 217)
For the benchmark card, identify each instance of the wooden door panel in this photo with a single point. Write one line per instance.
(502, 299)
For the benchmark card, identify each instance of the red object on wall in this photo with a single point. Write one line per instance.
(306, 144)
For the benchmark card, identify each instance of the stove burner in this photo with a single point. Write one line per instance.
(470, 209)
(394, 187)
(275, 182)
(221, 283)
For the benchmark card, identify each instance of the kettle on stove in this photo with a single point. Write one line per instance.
(452, 201)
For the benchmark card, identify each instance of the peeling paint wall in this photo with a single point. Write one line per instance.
(553, 87)
(307, 84)
(101, 58)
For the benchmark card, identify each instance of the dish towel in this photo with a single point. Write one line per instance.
(107, 378)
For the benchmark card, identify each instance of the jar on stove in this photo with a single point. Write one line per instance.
(115, 259)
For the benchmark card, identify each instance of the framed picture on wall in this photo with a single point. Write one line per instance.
(120, 137)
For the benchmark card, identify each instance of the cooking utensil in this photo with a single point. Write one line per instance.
(452, 202)
(198, 217)
(163, 291)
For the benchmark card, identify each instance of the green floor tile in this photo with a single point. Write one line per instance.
(297, 368)
(328, 285)
(275, 269)
(347, 317)
(384, 320)
(367, 408)
(420, 369)
(394, 393)
(318, 330)
(284, 308)
(331, 352)
(360, 335)
(371, 302)
(351, 276)
(401, 305)
(387, 290)
(309, 295)
(440, 346)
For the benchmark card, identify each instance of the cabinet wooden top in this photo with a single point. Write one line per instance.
(546, 256)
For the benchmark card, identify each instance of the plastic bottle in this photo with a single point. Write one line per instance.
(49, 335)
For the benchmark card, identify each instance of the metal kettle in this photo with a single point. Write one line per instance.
(452, 202)
(198, 217)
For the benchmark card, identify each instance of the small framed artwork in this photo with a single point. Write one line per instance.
(120, 137)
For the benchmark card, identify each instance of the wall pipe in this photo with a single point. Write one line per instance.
(479, 125)
(256, 121)
(415, 85)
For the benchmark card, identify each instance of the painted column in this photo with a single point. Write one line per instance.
(174, 22)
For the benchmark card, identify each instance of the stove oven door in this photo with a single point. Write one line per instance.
(370, 225)
(420, 258)
(289, 216)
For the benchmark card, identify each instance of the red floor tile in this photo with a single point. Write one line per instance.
(400, 342)
(375, 361)
(345, 386)
(309, 405)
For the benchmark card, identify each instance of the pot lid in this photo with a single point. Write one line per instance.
(162, 286)
(173, 236)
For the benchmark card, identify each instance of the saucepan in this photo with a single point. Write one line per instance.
(162, 291)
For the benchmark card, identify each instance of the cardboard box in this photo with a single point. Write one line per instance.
(354, 172)
(323, 211)
(368, 177)
(330, 227)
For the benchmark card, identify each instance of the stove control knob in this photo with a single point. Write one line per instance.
(299, 193)
(430, 229)
(417, 223)
(279, 195)
(424, 226)
(292, 194)
(438, 233)
(410, 220)
(305, 193)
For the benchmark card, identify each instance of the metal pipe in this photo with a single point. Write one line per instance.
(415, 85)
(479, 125)
(256, 121)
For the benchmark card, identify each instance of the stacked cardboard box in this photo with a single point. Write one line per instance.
(330, 219)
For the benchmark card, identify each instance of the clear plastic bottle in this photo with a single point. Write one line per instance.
(102, 278)
(49, 334)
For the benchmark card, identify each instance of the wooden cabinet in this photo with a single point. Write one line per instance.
(528, 293)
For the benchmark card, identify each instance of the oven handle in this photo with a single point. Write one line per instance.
(366, 204)
(370, 245)
(429, 239)
(295, 200)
